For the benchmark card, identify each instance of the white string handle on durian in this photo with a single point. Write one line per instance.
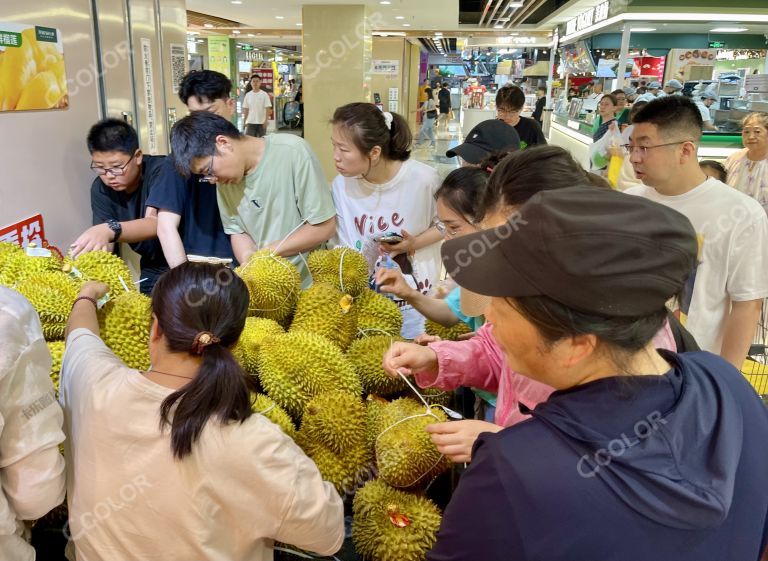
(274, 251)
(267, 410)
(341, 269)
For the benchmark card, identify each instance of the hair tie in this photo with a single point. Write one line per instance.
(202, 340)
(388, 118)
(489, 169)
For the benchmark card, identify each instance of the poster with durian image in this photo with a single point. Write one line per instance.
(32, 73)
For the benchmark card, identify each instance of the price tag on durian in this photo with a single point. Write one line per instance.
(33, 251)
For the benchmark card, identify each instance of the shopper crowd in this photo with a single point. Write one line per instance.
(593, 312)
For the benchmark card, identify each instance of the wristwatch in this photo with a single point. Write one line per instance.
(114, 225)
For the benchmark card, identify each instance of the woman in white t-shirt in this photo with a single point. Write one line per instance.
(748, 168)
(171, 463)
(429, 108)
(380, 192)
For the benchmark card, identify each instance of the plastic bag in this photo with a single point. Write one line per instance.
(604, 148)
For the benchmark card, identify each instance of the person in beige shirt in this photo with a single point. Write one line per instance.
(171, 464)
(31, 467)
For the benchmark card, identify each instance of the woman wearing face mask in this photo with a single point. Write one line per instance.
(748, 168)
(381, 194)
(171, 463)
(639, 453)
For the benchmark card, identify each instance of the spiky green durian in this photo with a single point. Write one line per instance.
(336, 420)
(104, 267)
(345, 471)
(52, 294)
(273, 285)
(366, 355)
(56, 348)
(405, 454)
(323, 310)
(391, 525)
(17, 266)
(343, 268)
(374, 406)
(451, 333)
(263, 405)
(377, 315)
(246, 351)
(296, 366)
(124, 324)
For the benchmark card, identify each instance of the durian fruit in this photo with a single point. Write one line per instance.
(377, 315)
(17, 266)
(56, 348)
(273, 285)
(391, 525)
(374, 406)
(405, 454)
(263, 405)
(296, 366)
(346, 471)
(104, 267)
(336, 420)
(124, 324)
(323, 310)
(52, 294)
(436, 396)
(365, 355)
(246, 351)
(451, 333)
(343, 267)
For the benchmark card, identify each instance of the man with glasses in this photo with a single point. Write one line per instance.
(510, 101)
(722, 299)
(188, 220)
(126, 179)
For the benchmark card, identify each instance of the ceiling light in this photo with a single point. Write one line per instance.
(727, 29)
(208, 25)
(406, 25)
(399, 17)
(236, 32)
(438, 33)
(385, 2)
(237, 1)
(279, 17)
(643, 29)
(498, 26)
(192, 33)
(515, 4)
(251, 35)
(514, 34)
(503, 19)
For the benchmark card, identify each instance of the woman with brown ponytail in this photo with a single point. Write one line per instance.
(171, 463)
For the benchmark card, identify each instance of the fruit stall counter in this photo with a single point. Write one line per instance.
(575, 135)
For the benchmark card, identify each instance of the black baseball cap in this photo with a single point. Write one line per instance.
(597, 251)
(489, 136)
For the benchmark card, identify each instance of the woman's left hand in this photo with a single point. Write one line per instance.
(405, 246)
(456, 438)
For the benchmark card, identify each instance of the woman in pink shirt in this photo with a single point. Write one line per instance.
(479, 362)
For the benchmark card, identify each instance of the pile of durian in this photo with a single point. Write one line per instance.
(316, 357)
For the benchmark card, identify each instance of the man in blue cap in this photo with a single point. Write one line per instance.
(705, 101)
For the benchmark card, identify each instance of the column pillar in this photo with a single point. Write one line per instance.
(336, 50)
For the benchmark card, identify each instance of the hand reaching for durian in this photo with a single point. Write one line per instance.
(456, 438)
(95, 238)
(409, 358)
(94, 289)
(391, 281)
(425, 339)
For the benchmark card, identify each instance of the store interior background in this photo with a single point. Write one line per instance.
(124, 59)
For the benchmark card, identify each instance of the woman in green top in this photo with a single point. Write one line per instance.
(622, 111)
(606, 110)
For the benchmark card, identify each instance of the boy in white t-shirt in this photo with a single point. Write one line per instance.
(722, 300)
(257, 109)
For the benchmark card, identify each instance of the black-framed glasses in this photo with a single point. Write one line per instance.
(210, 176)
(643, 150)
(114, 172)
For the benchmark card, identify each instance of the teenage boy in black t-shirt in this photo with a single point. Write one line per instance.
(510, 101)
(188, 221)
(126, 179)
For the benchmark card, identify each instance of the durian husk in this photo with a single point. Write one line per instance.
(124, 324)
(335, 420)
(451, 333)
(377, 315)
(273, 285)
(265, 406)
(366, 355)
(342, 267)
(324, 310)
(52, 294)
(256, 330)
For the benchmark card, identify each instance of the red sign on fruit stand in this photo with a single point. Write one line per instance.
(22, 233)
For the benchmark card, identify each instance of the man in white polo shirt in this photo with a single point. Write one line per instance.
(257, 108)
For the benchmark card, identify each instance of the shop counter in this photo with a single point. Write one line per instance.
(575, 135)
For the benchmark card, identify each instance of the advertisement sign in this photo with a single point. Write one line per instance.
(178, 65)
(681, 61)
(588, 18)
(218, 54)
(649, 67)
(24, 232)
(385, 67)
(32, 73)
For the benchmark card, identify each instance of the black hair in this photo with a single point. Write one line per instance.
(113, 135)
(206, 85)
(510, 96)
(722, 173)
(611, 97)
(257, 76)
(619, 337)
(675, 116)
(541, 89)
(428, 92)
(617, 92)
(194, 137)
(187, 300)
(462, 190)
(522, 174)
(367, 128)
(636, 107)
(445, 84)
